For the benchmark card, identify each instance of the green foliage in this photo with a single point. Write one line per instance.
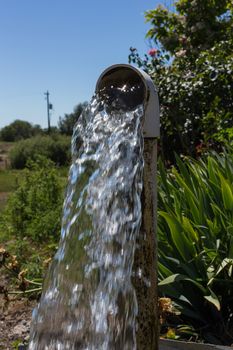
(34, 209)
(8, 183)
(66, 124)
(195, 231)
(192, 68)
(9, 180)
(195, 26)
(16, 344)
(19, 130)
(55, 147)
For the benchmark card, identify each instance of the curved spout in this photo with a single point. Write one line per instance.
(140, 90)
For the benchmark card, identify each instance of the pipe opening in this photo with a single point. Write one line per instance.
(122, 88)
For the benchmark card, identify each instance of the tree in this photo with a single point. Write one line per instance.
(192, 66)
(19, 130)
(195, 26)
(66, 124)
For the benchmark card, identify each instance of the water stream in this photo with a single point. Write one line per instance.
(88, 300)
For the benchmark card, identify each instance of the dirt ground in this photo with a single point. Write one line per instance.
(4, 155)
(15, 319)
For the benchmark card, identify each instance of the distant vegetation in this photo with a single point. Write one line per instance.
(55, 147)
(19, 130)
(31, 141)
(67, 123)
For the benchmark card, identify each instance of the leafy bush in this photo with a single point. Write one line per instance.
(19, 130)
(192, 67)
(194, 26)
(195, 231)
(34, 210)
(195, 101)
(55, 148)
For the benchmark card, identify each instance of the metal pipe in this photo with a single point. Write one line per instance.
(145, 260)
(119, 75)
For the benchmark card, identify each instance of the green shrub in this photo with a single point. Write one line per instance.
(55, 148)
(191, 65)
(195, 231)
(19, 130)
(34, 209)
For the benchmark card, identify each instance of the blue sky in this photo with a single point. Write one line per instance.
(62, 46)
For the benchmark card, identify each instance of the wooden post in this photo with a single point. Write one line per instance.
(145, 262)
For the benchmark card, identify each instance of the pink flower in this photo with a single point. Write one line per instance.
(152, 52)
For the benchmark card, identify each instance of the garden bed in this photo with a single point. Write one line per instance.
(15, 319)
(178, 345)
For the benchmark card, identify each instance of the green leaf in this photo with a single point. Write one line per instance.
(181, 242)
(213, 299)
(212, 225)
(195, 212)
(227, 193)
(178, 278)
(212, 169)
(184, 185)
(171, 279)
(163, 269)
(189, 229)
(184, 171)
(226, 262)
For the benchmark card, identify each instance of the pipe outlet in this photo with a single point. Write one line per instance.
(118, 79)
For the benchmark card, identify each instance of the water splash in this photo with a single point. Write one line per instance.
(88, 300)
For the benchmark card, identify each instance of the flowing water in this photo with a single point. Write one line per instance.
(88, 300)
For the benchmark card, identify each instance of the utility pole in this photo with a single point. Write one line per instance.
(49, 106)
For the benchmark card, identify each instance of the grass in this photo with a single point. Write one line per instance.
(3, 200)
(9, 180)
(32, 257)
(63, 171)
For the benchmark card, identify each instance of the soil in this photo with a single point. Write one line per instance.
(4, 155)
(15, 319)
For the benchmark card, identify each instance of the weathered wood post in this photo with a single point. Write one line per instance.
(145, 261)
